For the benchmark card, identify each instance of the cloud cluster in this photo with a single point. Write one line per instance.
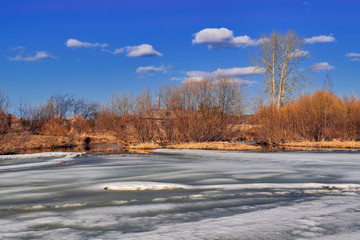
(353, 56)
(235, 74)
(143, 50)
(323, 66)
(74, 43)
(151, 69)
(38, 56)
(319, 39)
(222, 38)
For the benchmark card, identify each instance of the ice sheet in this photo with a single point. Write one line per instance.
(182, 194)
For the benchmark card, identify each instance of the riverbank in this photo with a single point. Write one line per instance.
(331, 145)
(11, 144)
(244, 146)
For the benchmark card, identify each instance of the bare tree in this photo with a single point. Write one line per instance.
(86, 109)
(4, 101)
(4, 104)
(279, 58)
(61, 105)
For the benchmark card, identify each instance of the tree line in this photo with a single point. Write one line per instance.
(206, 110)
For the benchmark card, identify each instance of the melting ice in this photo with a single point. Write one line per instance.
(180, 194)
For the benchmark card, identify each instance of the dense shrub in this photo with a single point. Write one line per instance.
(197, 111)
(55, 127)
(322, 116)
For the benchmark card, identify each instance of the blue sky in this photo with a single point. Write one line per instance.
(94, 48)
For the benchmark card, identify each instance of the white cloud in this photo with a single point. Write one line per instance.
(323, 66)
(222, 38)
(354, 57)
(74, 43)
(143, 50)
(38, 56)
(242, 82)
(152, 69)
(300, 53)
(319, 39)
(197, 75)
(352, 54)
(235, 74)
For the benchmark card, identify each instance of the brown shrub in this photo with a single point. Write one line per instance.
(352, 105)
(80, 126)
(109, 122)
(4, 122)
(317, 117)
(55, 127)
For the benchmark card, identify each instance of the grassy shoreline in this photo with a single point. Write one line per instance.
(21, 143)
(334, 144)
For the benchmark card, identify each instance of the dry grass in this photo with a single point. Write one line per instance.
(324, 144)
(144, 146)
(11, 143)
(100, 139)
(216, 146)
(14, 143)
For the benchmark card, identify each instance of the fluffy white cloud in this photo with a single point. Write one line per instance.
(74, 43)
(222, 38)
(300, 53)
(319, 39)
(323, 66)
(143, 50)
(38, 56)
(235, 74)
(152, 69)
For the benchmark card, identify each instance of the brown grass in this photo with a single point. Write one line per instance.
(324, 144)
(216, 146)
(144, 146)
(15, 143)
(11, 143)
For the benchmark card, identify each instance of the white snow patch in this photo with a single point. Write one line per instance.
(60, 157)
(159, 199)
(120, 202)
(142, 186)
(40, 155)
(70, 205)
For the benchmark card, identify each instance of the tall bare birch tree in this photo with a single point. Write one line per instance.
(279, 58)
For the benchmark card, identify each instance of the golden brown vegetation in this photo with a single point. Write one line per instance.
(322, 116)
(198, 111)
(334, 144)
(216, 146)
(195, 115)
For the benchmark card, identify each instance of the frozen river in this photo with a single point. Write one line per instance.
(181, 194)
